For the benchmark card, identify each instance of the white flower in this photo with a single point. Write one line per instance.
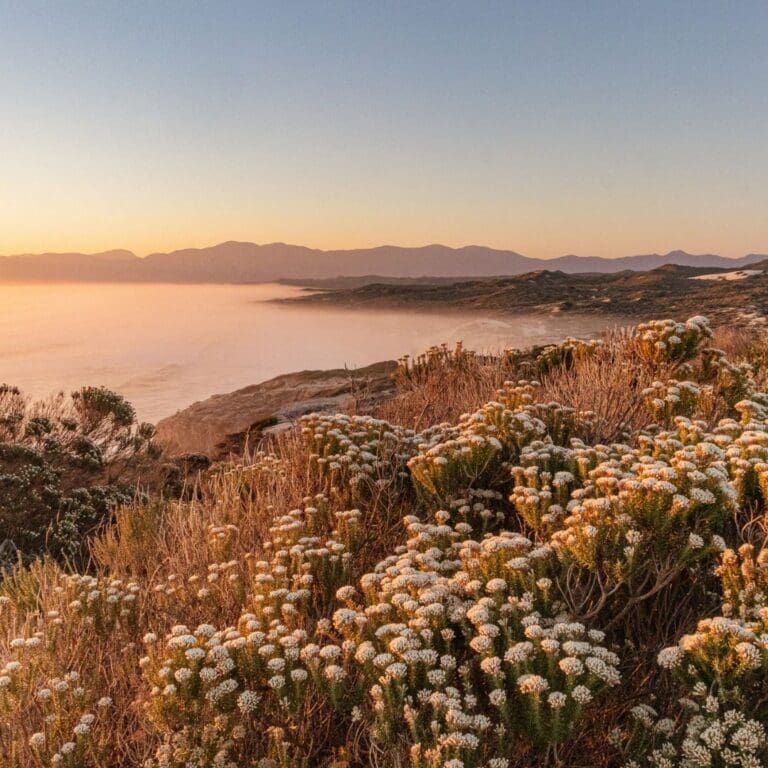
(581, 694)
(557, 699)
(247, 701)
(336, 674)
(37, 740)
(670, 658)
(497, 697)
(534, 684)
(496, 585)
(182, 674)
(491, 665)
(571, 666)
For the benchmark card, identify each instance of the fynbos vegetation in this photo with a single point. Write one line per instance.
(65, 463)
(550, 559)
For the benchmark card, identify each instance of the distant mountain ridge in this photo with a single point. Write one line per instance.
(238, 262)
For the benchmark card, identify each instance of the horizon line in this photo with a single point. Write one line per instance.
(370, 248)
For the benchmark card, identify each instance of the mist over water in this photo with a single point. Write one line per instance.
(166, 346)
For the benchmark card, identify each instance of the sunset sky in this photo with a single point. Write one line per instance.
(597, 128)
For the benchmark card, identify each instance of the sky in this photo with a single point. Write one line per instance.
(596, 128)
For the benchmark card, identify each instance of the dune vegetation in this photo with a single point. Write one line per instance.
(532, 559)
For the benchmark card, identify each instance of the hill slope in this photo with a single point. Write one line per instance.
(668, 290)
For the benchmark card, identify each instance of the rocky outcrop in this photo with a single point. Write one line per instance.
(225, 424)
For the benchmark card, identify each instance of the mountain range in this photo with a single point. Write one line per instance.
(240, 262)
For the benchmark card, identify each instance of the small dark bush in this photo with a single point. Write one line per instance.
(65, 464)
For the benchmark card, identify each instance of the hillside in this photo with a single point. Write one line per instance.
(247, 262)
(226, 423)
(669, 289)
(554, 559)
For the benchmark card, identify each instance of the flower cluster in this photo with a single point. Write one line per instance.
(728, 654)
(544, 480)
(461, 641)
(105, 604)
(730, 381)
(688, 493)
(667, 400)
(744, 578)
(357, 456)
(474, 453)
(723, 668)
(710, 734)
(666, 342)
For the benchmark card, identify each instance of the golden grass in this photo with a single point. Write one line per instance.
(609, 383)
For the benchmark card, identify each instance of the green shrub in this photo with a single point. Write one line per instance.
(65, 464)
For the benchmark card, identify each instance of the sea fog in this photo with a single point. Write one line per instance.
(165, 346)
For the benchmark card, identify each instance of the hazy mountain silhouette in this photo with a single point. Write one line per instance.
(248, 262)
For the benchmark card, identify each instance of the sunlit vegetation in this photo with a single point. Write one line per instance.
(550, 558)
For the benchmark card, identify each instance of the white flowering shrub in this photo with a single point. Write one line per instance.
(667, 400)
(666, 342)
(747, 454)
(727, 655)
(356, 457)
(708, 734)
(106, 604)
(544, 479)
(485, 444)
(722, 653)
(475, 453)
(722, 668)
(636, 520)
(732, 382)
(744, 578)
(463, 642)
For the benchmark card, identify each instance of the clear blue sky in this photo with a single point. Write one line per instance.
(602, 128)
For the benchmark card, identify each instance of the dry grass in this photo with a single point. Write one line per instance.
(738, 343)
(609, 383)
(442, 386)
